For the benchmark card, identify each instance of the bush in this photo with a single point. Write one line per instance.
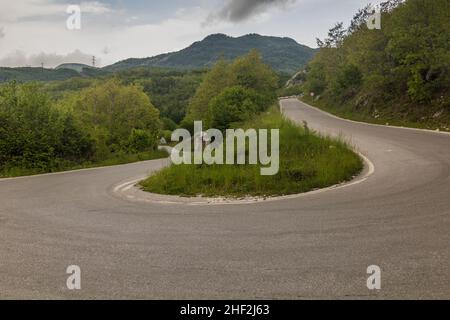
(36, 135)
(168, 124)
(139, 141)
(112, 113)
(235, 104)
(348, 81)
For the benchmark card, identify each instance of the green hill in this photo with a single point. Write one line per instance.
(79, 67)
(283, 54)
(62, 72)
(35, 74)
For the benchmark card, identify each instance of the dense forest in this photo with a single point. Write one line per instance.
(170, 90)
(397, 74)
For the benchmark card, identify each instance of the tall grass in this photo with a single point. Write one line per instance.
(307, 161)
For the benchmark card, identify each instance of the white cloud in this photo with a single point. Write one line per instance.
(31, 42)
(14, 11)
(50, 60)
(174, 33)
(38, 26)
(19, 10)
(94, 7)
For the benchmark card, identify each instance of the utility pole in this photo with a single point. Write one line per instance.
(93, 61)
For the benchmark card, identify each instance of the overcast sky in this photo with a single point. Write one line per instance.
(34, 31)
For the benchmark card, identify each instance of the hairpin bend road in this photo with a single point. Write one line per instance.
(316, 246)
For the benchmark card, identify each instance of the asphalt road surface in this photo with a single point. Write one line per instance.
(316, 246)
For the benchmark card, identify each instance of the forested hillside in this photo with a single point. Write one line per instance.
(398, 74)
(169, 90)
(35, 74)
(282, 54)
(60, 73)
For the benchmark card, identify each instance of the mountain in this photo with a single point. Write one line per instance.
(35, 74)
(283, 54)
(78, 67)
(62, 72)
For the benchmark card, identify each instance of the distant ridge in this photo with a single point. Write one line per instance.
(283, 54)
(78, 67)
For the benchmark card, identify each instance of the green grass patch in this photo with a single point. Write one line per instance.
(66, 166)
(307, 162)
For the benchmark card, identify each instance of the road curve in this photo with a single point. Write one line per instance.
(317, 246)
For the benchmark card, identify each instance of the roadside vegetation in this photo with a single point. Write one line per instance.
(107, 123)
(242, 94)
(399, 74)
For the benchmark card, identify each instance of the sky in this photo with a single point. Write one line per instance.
(35, 31)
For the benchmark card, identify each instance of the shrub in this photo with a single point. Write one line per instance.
(235, 104)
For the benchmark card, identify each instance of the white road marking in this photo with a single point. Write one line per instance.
(141, 196)
(370, 124)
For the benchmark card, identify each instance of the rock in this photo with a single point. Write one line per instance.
(438, 114)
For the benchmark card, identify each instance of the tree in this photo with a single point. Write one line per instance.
(250, 72)
(348, 80)
(139, 140)
(335, 38)
(111, 111)
(247, 72)
(407, 62)
(215, 81)
(234, 104)
(418, 41)
(360, 19)
(36, 135)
